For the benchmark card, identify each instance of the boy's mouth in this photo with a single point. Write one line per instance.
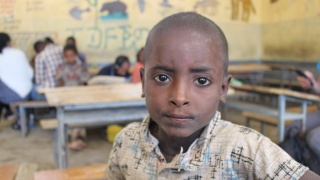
(179, 117)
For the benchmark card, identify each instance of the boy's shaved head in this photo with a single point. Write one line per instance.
(193, 22)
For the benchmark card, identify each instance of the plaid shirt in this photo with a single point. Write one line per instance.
(47, 63)
(223, 151)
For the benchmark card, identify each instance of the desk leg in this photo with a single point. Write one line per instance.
(281, 123)
(62, 139)
(304, 119)
(23, 121)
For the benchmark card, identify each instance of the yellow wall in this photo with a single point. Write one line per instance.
(290, 30)
(102, 40)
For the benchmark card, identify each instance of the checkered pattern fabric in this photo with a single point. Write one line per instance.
(223, 151)
(47, 63)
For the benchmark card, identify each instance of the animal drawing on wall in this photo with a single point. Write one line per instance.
(142, 5)
(247, 8)
(113, 10)
(76, 12)
(165, 3)
(209, 7)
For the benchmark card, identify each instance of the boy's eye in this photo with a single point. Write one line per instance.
(162, 78)
(202, 81)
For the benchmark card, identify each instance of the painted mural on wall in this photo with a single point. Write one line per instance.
(242, 9)
(113, 10)
(207, 6)
(107, 28)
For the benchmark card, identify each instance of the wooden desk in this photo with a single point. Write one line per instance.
(283, 96)
(18, 172)
(8, 171)
(248, 68)
(22, 107)
(105, 104)
(87, 172)
(255, 72)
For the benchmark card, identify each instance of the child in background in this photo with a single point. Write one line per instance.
(73, 73)
(119, 68)
(136, 69)
(183, 80)
(72, 41)
(38, 47)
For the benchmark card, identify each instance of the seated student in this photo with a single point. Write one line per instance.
(136, 69)
(72, 41)
(38, 46)
(119, 68)
(15, 75)
(313, 119)
(183, 81)
(46, 65)
(73, 73)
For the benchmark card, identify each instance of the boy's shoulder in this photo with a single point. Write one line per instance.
(139, 127)
(227, 128)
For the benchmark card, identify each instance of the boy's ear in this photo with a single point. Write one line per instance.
(142, 81)
(224, 88)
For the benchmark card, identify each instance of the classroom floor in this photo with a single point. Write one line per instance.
(37, 147)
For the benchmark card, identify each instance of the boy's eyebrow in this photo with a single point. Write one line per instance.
(200, 69)
(164, 68)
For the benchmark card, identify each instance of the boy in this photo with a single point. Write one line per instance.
(73, 73)
(184, 78)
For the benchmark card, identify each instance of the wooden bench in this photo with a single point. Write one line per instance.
(281, 83)
(22, 106)
(18, 172)
(48, 123)
(265, 119)
(53, 124)
(86, 172)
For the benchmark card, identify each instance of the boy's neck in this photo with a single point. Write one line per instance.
(171, 146)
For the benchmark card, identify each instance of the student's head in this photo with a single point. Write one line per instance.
(4, 41)
(38, 46)
(121, 65)
(139, 55)
(185, 74)
(71, 41)
(48, 40)
(70, 53)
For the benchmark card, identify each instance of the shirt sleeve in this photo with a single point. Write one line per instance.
(84, 74)
(59, 75)
(27, 65)
(51, 69)
(113, 171)
(271, 162)
(39, 68)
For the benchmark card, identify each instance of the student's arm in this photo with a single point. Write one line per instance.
(84, 76)
(305, 83)
(310, 175)
(39, 70)
(27, 65)
(59, 76)
(113, 171)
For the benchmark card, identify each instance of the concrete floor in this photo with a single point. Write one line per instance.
(37, 147)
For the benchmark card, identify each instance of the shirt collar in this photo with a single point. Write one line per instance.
(196, 153)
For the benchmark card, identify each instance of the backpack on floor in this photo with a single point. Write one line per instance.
(298, 149)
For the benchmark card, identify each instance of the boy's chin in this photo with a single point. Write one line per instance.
(179, 132)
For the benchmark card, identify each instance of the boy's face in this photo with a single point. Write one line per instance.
(183, 82)
(70, 56)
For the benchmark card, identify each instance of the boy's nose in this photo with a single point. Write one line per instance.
(178, 95)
